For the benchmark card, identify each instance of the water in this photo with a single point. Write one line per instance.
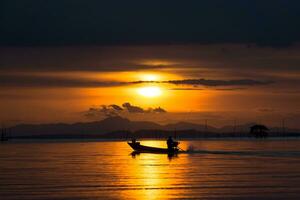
(216, 169)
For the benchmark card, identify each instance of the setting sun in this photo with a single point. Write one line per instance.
(150, 91)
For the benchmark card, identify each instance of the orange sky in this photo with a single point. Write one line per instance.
(59, 84)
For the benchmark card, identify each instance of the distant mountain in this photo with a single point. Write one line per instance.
(97, 127)
(119, 124)
(237, 128)
(189, 126)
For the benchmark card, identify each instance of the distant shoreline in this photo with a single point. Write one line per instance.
(113, 128)
(162, 138)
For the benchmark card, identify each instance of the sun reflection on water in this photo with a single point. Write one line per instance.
(153, 174)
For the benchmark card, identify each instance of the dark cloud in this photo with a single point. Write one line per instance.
(158, 110)
(52, 81)
(133, 109)
(61, 22)
(230, 89)
(73, 58)
(221, 89)
(103, 110)
(266, 110)
(115, 110)
(186, 89)
(136, 109)
(191, 61)
(116, 107)
(296, 92)
(206, 82)
(8, 95)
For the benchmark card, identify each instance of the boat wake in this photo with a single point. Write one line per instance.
(192, 150)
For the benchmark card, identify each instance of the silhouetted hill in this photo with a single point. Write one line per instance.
(189, 126)
(97, 127)
(237, 128)
(118, 127)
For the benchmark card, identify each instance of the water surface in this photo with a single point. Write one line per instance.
(216, 169)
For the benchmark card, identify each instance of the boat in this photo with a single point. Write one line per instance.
(138, 148)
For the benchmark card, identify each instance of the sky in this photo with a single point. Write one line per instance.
(166, 61)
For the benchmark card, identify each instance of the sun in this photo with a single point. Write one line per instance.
(151, 91)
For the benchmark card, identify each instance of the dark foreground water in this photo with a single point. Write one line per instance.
(222, 169)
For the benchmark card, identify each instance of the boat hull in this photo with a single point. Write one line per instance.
(137, 147)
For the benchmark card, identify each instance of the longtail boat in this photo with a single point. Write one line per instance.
(137, 147)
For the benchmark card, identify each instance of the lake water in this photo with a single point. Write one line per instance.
(216, 169)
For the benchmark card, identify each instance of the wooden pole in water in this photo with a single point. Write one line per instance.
(283, 127)
(175, 135)
(234, 126)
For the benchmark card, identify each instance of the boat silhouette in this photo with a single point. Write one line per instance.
(138, 148)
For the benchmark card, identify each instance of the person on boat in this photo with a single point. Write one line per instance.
(170, 143)
(133, 141)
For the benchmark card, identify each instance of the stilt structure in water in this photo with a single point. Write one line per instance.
(283, 127)
(4, 135)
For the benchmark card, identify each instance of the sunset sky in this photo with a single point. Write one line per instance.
(70, 61)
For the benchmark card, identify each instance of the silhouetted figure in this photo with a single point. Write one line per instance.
(259, 130)
(134, 142)
(171, 143)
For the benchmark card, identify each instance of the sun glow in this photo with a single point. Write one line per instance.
(151, 91)
(149, 77)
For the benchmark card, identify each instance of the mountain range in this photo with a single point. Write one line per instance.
(115, 124)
